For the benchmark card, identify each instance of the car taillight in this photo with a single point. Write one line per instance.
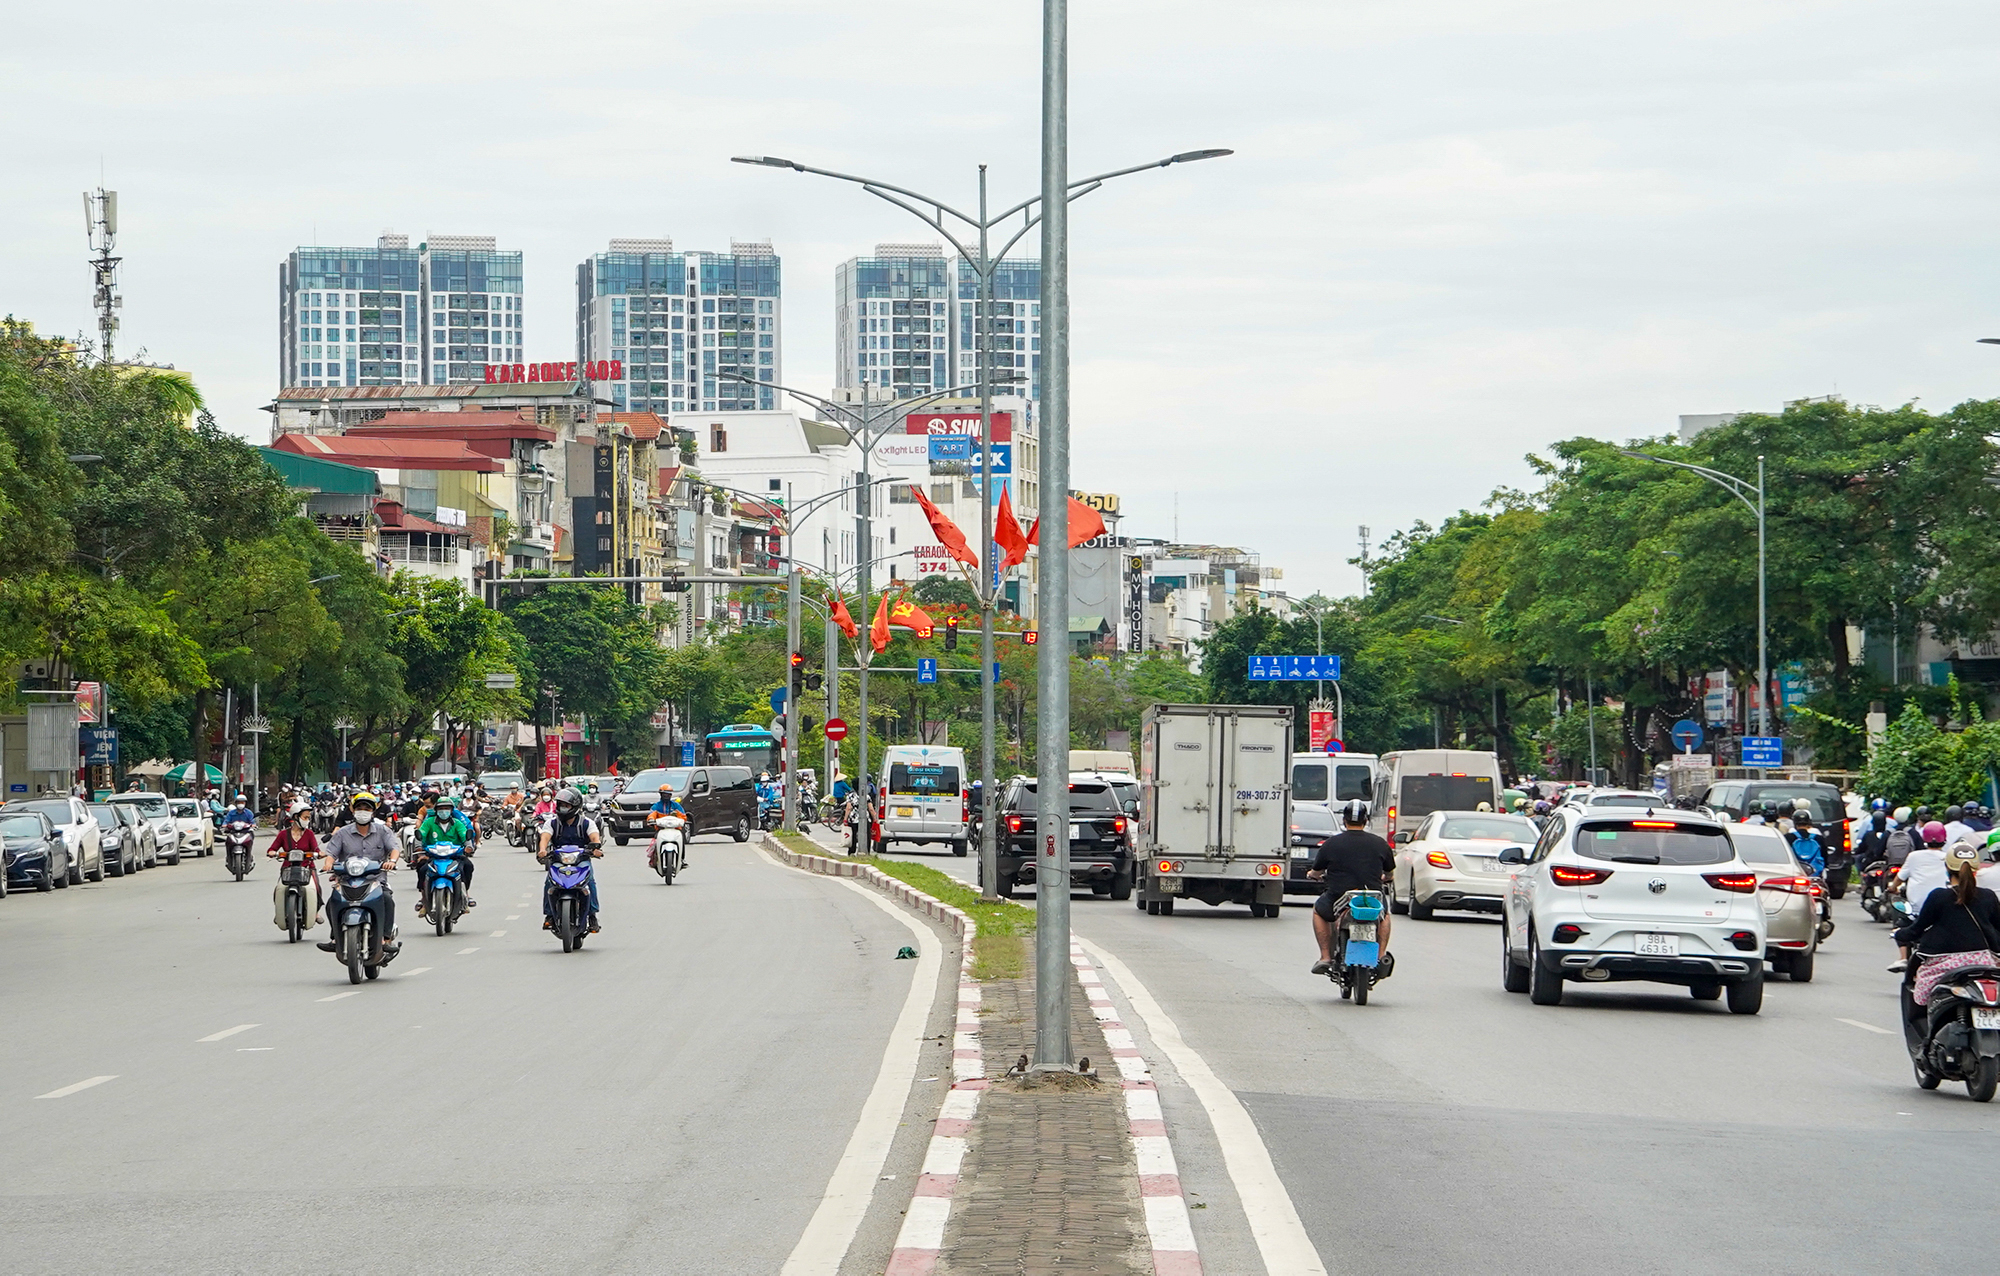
(1847, 837)
(1563, 875)
(1392, 823)
(1744, 941)
(1567, 933)
(1118, 826)
(1790, 885)
(1654, 824)
(1172, 866)
(1738, 883)
(1013, 824)
(1439, 858)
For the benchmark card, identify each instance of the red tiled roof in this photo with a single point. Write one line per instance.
(641, 425)
(389, 453)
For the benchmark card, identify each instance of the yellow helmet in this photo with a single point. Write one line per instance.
(364, 795)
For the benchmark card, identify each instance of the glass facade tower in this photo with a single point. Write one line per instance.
(896, 324)
(681, 323)
(394, 315)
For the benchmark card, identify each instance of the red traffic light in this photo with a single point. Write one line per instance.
(798, 659)
(1031, 636)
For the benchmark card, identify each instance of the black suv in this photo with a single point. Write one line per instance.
(1100, 850)
(1736, 799)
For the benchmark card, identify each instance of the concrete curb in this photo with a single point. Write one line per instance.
(1167, 1222)
(922, 1236)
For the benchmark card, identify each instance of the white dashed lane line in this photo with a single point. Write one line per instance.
(1865, 1027)
(463, 951)
(226, 1032)
(352, 992)
(497, 934)
(68, 1090)
(512, 917)
(418, 971)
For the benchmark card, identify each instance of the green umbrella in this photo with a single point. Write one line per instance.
(179, 774)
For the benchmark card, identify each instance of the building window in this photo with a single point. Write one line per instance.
(718, 439)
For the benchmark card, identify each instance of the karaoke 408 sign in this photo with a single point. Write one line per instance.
(1295, 668)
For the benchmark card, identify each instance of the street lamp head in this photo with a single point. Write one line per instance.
(1189, 157)
(767, 161)
(1989, 341)
(82, 458)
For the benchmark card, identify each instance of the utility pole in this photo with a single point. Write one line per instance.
(100, 221)
(789, 782)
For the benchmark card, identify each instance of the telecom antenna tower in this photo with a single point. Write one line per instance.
(100, 218)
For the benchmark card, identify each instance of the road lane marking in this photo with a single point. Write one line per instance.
(1866, 1027)
(511, 917)
(68, 1090)
(830, 1232)
(226, 1032)
(352, 992)
(418, 971)
(463, 951)
(253, 1049)
(1274, 1221)
(496, 934)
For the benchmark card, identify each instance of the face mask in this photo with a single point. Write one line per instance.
(364, 818)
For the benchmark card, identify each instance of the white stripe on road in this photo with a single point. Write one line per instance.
(496, 934)
(830, 1232)
(1866, 1027)
(511, 917)
(463, 951)
(418, 971)
(226, 1032)
(1274, 1221)
(68, 1090)
(352, 992)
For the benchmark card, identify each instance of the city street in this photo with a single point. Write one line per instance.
(673, 1098)
(1451, 1126)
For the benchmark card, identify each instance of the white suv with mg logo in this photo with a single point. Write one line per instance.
(1608, 896)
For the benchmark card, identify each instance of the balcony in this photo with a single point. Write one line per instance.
(534, 532)
(444, 555)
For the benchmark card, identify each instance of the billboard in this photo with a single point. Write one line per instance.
(959, 423)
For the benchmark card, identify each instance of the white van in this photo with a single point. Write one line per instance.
(1411, 784)
(923, 795)
(1321, 784)
(1101, 761)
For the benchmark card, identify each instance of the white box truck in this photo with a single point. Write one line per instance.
(1215, 805)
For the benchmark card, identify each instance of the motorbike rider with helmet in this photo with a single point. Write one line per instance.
(568, 826)
(1351, 860)
(369, 838)
(296, 844)
(445, 824)
(1922, 873)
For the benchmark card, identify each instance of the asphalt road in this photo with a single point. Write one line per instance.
(672, 1099)
(1452, 1126)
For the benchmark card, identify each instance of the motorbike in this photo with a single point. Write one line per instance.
(1957, 1036)
(1821, 902)
(770, 813)
(236, 840)
(295, 875)
(359, 915)
(1874, 890)
(489, 818)
(326, 818)
(669, 846)
(444, 885)
(569, 894)
(1358, 963)
(519, 824)
(1839, 872)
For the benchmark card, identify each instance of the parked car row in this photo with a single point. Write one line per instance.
(51, 842)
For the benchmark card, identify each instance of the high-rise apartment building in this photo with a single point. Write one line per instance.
(684, 326)
(394, 315)
(897, 325)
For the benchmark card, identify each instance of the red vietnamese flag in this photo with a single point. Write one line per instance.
(878, 630)
(1007, 534)
(1084, 523)
(908, 615)
(945, 530)
(843, 618)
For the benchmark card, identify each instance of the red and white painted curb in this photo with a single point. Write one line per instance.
(1167, 1222)
(922, 1236)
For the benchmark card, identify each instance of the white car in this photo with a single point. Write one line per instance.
(197, 831)
(159, 821)
(1451, 860)
(76, 824)
(1608, 896)
(1615, 799)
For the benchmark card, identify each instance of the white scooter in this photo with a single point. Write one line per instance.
(669, 845)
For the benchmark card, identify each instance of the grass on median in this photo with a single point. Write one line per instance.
(998, 950)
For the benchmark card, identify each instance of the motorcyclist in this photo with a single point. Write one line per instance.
(371, 839)
(1956, 928)
(1873, 843)
(569, 826)
(1956, 830)
(1351, 860)
(1806, 844)
(445, 824)
(1922, 873)
(238, 815)
(296, 844)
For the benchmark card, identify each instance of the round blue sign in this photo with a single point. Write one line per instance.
(1687, 735)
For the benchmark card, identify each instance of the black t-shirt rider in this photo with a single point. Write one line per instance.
(1352, 860)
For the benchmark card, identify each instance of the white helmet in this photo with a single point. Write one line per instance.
(1354, 813)
(299, 809)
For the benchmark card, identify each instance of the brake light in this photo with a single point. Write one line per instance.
(1439, 858)
(1653, 824)
(1818, 887)
(1172, 866)
(1567, 933)
(1563, 875)
(1790, 885)
(1118, 826)
(1989, 991)
(1737, 883)
(1744, 940)
(1392, 821)
(1847, 837)
(1013, 824)
(1270, 870)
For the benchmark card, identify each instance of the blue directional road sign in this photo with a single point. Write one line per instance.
(778, 700)
(1295, 668)
(926, 669)
(1763, 750)
(1687, 735)
(687, 753)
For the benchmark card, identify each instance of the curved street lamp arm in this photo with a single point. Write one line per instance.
(771, 161)
(1729, 483)
(935, 223)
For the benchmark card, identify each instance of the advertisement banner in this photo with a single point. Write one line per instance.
(1135, 603)
(959, 423)
(99, 745)
(89, 702)
(1319, 729)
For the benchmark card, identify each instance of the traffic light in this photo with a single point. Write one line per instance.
(806, 723)
(798, 675)
(815, 681)
(1031, 636)
(951, 633)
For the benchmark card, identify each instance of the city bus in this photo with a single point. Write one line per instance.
(743, 744)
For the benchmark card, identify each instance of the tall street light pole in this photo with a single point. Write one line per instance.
(971, 237)
(1752, 497)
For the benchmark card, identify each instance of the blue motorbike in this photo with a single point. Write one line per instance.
(1358, 960)
(359, 916)
(444, 884)
(568, 893)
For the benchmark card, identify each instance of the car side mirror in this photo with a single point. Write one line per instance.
(1405, 837)
(1132, 806)
(1513, 855)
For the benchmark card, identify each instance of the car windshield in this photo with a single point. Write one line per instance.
(1822, 800)
(1093, 798)
(58, 812)
(922, 779)
(1654, 842)
(1423, 794)
(1638, 801)
(16, 828)
(152, 806)
(1765, 852)
(105, 814)
(1500, 828)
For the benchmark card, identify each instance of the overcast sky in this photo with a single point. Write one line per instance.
(1452, 232)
